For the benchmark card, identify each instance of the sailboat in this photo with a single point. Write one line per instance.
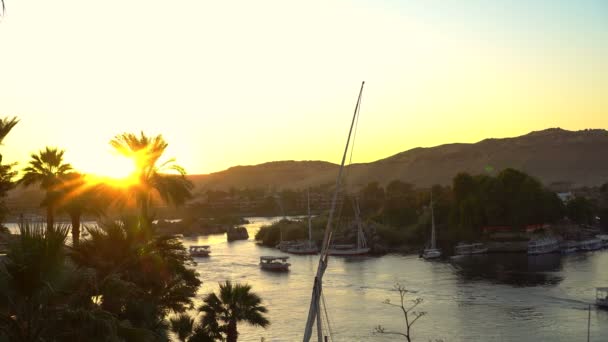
(308, 247)
(314, 311)
(351, 250)
(432, 252)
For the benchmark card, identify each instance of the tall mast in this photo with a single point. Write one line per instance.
(315, 301)
(432, 223)
(309, 220)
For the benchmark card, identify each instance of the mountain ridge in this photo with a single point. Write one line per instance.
(551, 155)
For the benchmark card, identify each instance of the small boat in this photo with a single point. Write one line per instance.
(604, 239)
(284, 246)
(568, 246)
(467, 249)
(432, 252)
(543, 246)
(590, 245)
(200, 251)
(274, 263)
(308, 247)
(601, 297)
(351, 249)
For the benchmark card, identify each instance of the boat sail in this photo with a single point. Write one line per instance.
(308, 247)
(314, 311)
(432, 252)
(351, 250)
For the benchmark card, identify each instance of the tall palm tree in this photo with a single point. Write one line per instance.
(152, 175)
(6, 170)
(6, 125)
(47, 169)
(235, 303)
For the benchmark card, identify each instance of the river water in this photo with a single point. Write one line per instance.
(510, 297)
(486, 298)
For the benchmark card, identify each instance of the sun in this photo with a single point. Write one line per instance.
(112, 168)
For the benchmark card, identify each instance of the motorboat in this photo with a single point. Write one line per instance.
(590, 245)
(200, 251)
(466, 249)
(543, 245)
(568, 246)
(601, 297)
(274, 263)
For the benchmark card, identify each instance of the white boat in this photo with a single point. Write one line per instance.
(590, 245)
(274, 263)
(601, 297)
(307, 247)
(543, 246)
(568, 246)
(200, 251)
(432, 252)
(350, 249)
(604, 239)
(465, 249)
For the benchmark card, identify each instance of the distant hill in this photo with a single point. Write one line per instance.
(577, 158)
(570, 158)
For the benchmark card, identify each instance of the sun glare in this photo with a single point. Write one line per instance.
(113, 168)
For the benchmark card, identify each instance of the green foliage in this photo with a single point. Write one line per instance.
(140, 278)
(512, 198)
(580, 210)
(235, 303)
(182, 326)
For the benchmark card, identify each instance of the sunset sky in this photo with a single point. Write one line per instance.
(243, 82)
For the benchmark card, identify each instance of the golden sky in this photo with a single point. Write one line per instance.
(243, 82)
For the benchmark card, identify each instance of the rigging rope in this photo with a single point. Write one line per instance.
(331, 333)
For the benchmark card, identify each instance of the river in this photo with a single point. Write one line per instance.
(508, 297)
(486, 298)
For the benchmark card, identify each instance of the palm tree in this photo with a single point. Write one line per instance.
(47, 169)
(6, 170)
(151, 173)
(182, 326)
(6, 125)
(78, 197)
(235, 303)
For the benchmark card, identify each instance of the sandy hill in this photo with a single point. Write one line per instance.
(552, 155)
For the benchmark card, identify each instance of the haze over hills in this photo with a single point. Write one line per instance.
(551, 155)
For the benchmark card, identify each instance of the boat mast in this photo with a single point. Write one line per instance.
(309, 220)
(432, 223)
(314, 312)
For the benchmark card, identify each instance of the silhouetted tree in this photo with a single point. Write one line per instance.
(47, 169)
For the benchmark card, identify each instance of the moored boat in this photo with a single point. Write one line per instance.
(568, 246)
(308, 247)
(465, 249)
(274, 263)
(601, 297)
(432, 252)
(604, 239)
(200, 251)
(351, 249)
(543, 246)
(590, 245)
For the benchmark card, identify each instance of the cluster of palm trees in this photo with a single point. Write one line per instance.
(124, 279)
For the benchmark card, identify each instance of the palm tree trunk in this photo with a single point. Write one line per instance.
(231, 333)
(50, 216)
(75, 217)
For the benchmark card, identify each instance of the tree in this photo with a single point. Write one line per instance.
(182, 326)
(47, 169)
(140, 277)
(6, 170)
(234, 304)
(78, 196)
(42, 296)
(151, 173)
(409, 315)
(580, 210)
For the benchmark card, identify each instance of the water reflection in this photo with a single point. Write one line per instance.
(511, 269)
